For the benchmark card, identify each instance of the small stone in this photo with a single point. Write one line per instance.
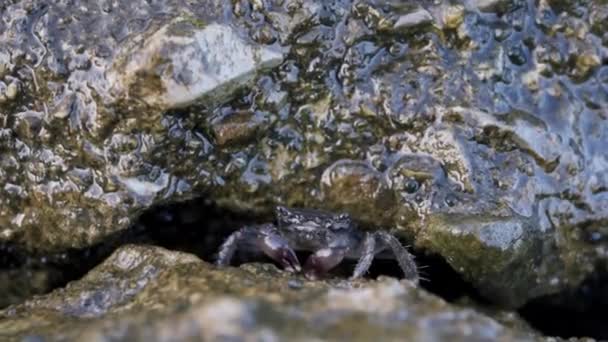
(531, 80)
(4, 62)
(416, 18)
(12, 90)
(236, 128)
(181, 63)
(453, 16)
(295, 284)
(586, 63)
(490, 5)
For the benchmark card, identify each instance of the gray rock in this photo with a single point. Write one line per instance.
(151, 294)
(466, 139)
(418, 17)
(490, 5)
(183, 63)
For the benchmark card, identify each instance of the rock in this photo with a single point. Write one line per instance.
(453, 16)
(585, 63)
(62, 195)
(4, 62)
(148, 293)
(442, 136)
(508, 246)
(9, 92)
(500, 6)
(237, 127)
(183, 62)
(598, 17)
(417, 17)
(356, 187)
(21, 283)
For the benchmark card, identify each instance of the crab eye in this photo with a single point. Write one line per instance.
(411, 186)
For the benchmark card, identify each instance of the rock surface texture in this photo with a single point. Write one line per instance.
(477, 131)
(149, 293)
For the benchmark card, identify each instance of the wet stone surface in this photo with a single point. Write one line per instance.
(150, 292)
(475, 131)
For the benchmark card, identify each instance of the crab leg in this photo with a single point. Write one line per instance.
(404, 258)
(265, 238)
(367, 256)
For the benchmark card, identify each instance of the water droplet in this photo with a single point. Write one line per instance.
(517, 55)
(450, 200)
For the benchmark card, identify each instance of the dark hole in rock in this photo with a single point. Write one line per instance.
(581, 312)
(196, 227)
(23, 274)
(199, 227)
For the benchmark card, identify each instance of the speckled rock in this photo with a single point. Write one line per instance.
(477, 134)
(185, 62)
(151, 294)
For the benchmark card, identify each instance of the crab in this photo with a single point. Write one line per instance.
(330, 237)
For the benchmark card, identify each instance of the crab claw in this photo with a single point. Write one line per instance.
(312, 269)
(322, 261)
(277, 248)
(289, 260)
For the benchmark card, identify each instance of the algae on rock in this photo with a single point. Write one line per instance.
(143, 293)
(476, 131)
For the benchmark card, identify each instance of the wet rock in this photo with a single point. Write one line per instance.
(585, 63)
(509, 246)
(356, 187)
(491, 5)
(18, 284)
(479, 138)
(237, 127)
(185, 61)
(417, 17)
(148, 293)
(66, 76)
(8, 92)
(453, 16)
